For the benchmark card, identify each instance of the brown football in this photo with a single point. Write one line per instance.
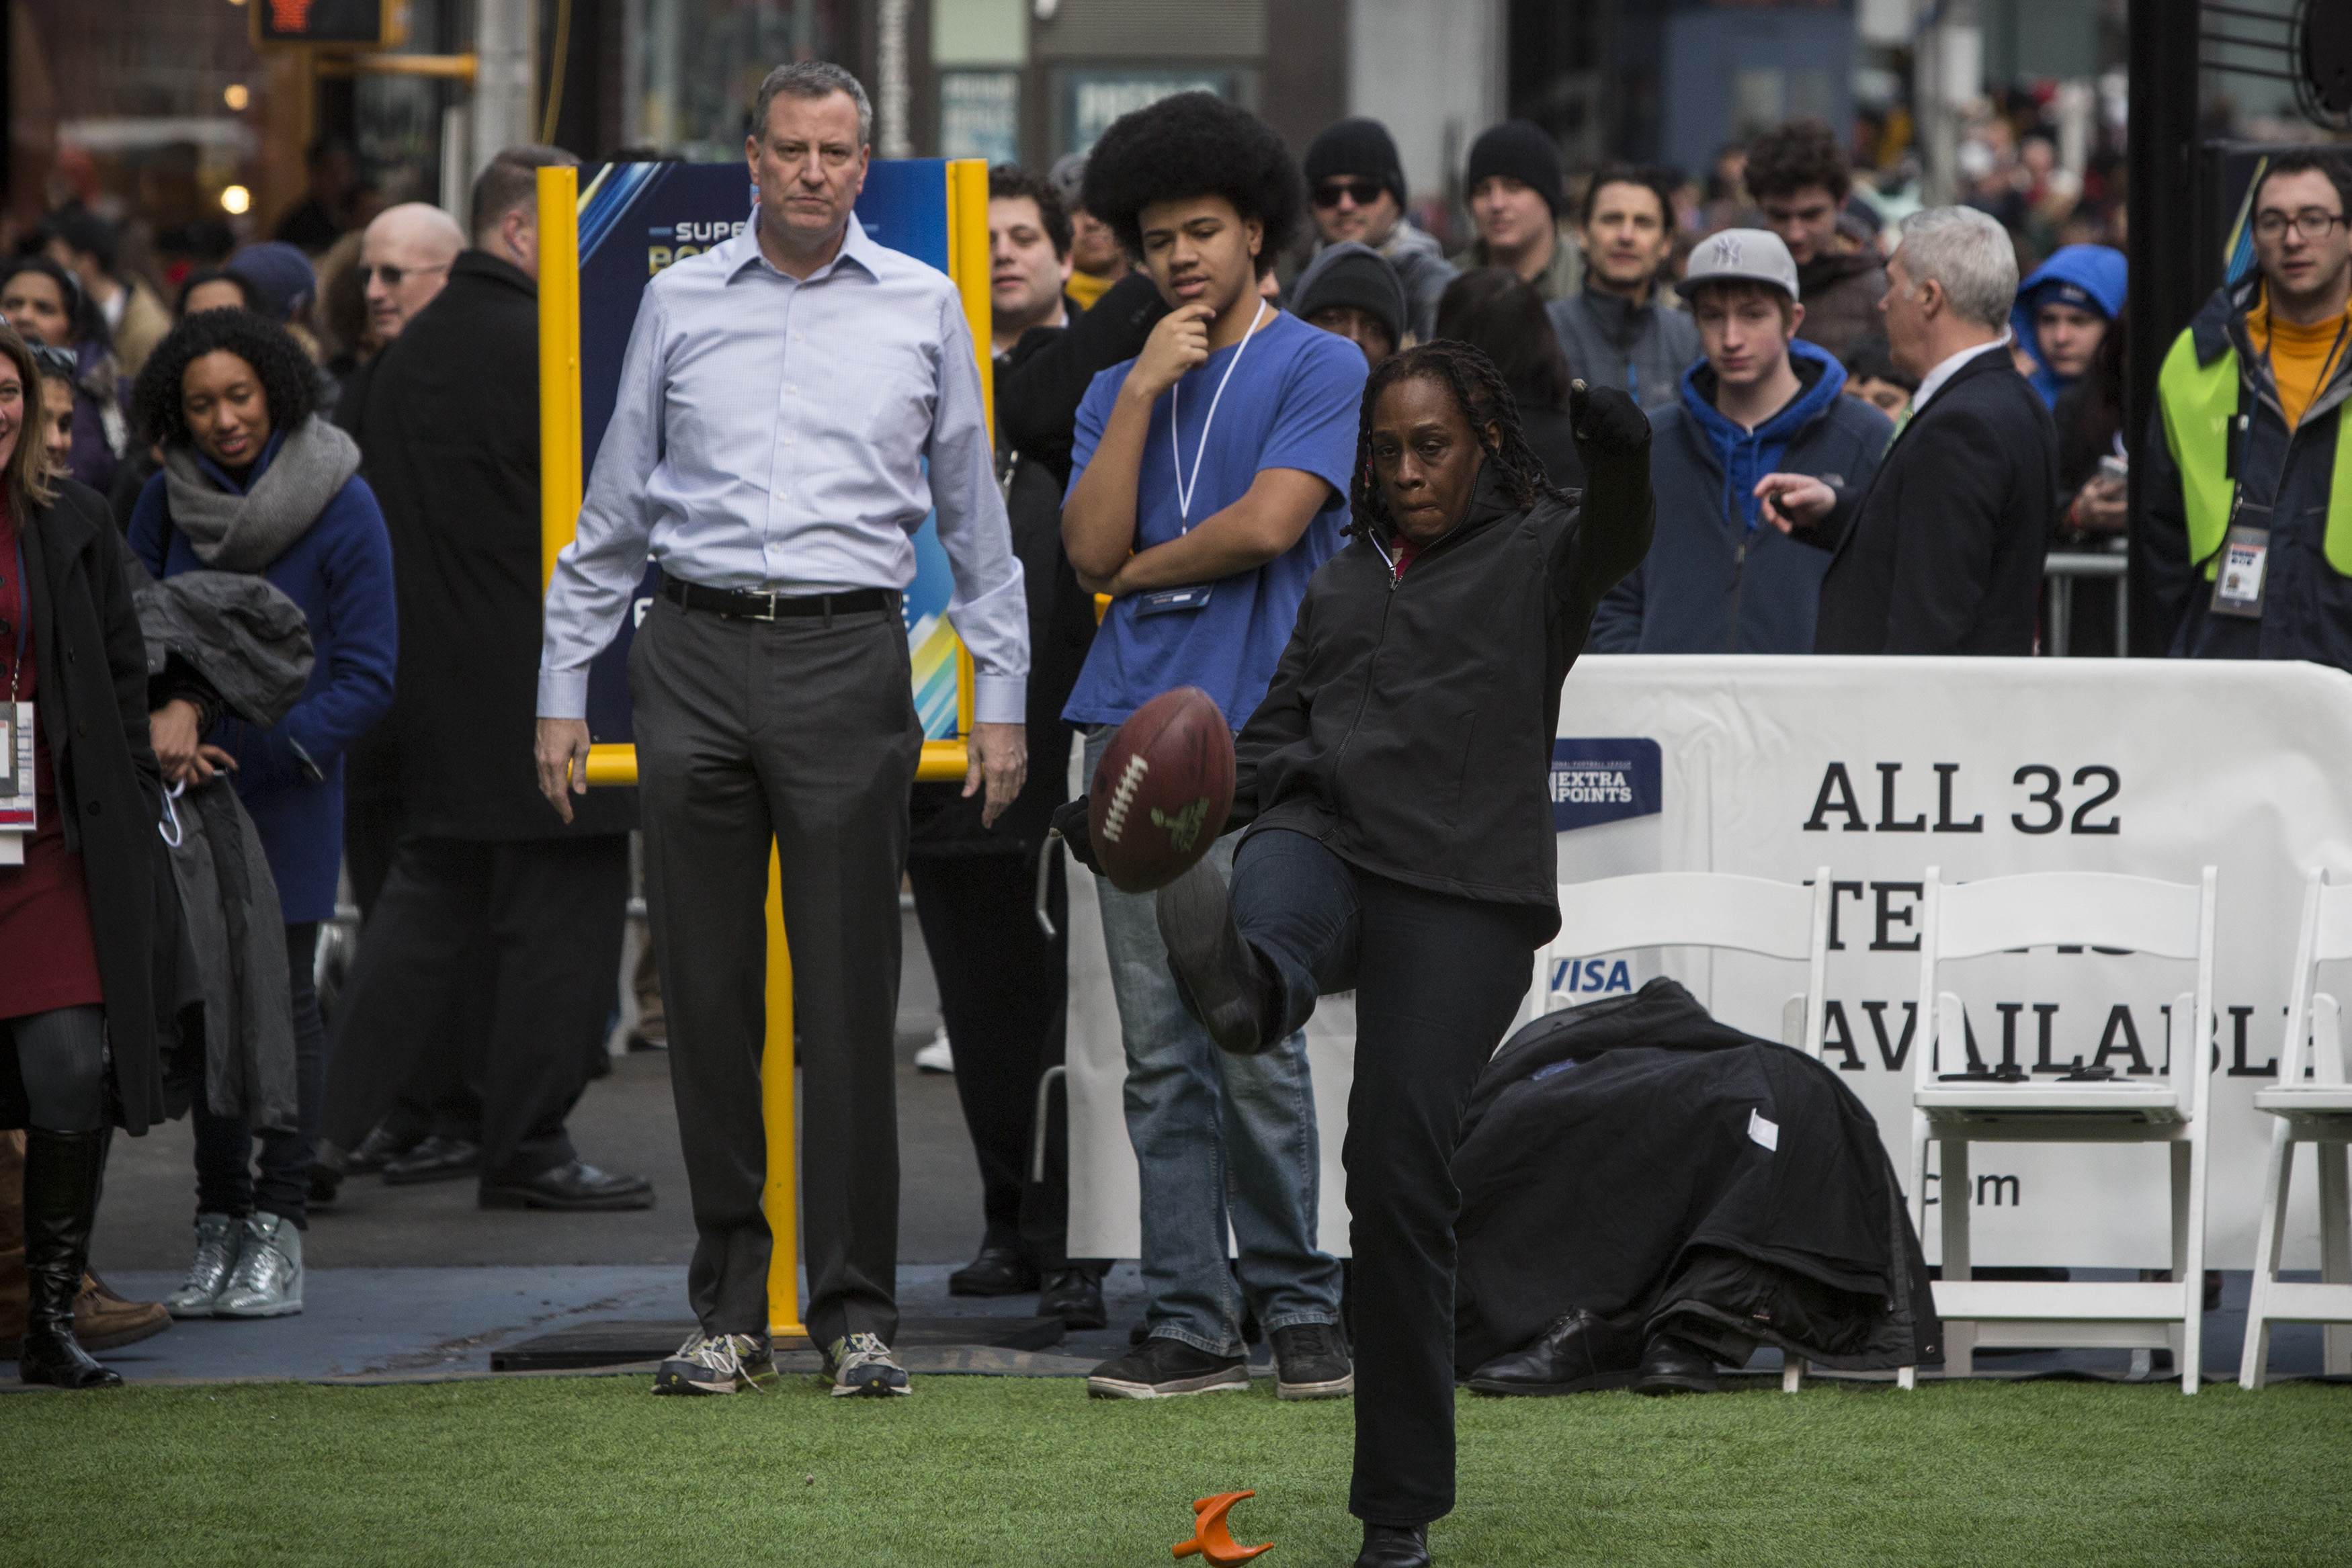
(1162, 790)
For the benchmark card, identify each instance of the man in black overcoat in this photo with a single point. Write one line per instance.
(450, 431)
(1943, 553)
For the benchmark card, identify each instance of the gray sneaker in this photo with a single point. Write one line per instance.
(861, 1365)
(218, 1243)
(268, 1282)
(718, 1363)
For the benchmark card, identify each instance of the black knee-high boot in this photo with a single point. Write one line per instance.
(62, 1171)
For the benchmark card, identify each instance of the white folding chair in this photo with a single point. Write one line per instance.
(2319, 1112)
(1701, 909)
(2164, 919)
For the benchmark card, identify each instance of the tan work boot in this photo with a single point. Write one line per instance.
(102, 1320)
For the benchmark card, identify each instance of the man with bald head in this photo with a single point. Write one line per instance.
(485, 874)
(404, 258)
(406, 255)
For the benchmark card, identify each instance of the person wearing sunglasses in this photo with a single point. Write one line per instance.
(405, 259)
(1355, 181)
(2246, 476)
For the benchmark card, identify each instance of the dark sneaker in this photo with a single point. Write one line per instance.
(1219, 979)
(861, 1366)
(1310, 1361)
(1164, 1368)
(718, 1363)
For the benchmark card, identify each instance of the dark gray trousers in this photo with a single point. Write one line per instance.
(800, 733)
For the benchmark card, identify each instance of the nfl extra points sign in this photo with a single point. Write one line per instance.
(1879, 768)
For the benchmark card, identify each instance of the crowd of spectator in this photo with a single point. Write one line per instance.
(1869, 421)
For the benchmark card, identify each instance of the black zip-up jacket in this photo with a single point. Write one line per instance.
(1410, 722)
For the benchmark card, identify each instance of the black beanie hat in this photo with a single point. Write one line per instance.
(1524, 151)
(1358, 146)
(1356, 275)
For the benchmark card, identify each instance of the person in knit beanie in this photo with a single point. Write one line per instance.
(1517, 192)
(1351, 289)
(1355, 181)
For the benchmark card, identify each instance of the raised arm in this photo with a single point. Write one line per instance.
(1613, 533)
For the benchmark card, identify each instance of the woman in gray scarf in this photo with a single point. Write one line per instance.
(254, 481)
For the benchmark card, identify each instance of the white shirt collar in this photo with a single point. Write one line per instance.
(1933, 382)
(857, 246)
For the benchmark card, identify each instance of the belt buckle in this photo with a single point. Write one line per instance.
(770, 613)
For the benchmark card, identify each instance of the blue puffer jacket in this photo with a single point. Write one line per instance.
(2092, 275)
(1718, 578)
(340, 572)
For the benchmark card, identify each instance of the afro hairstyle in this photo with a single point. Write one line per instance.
(288, 383)
(1194, 144)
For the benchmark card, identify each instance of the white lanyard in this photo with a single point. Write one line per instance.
(1185, 488)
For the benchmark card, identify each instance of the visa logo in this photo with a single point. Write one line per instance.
(1591, 976)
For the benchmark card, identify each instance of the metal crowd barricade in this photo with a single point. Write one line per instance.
(2060, 574)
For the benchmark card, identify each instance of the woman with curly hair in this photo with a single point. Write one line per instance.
(47, 304)
(1420, 874)
(254, 480)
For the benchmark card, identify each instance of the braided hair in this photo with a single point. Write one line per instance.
(1479, 392)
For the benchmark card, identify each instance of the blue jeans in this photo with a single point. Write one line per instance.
(1218, 1139)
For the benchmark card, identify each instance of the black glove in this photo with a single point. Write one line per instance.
(1607, 422)
(1069, 819)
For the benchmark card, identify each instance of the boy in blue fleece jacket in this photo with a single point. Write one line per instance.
(1761, 401)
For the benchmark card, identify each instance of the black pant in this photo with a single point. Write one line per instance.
(546, 917)
(1437, 981)
(1003, 995)
(225, 1182)
(796, 737)
(443, 1094)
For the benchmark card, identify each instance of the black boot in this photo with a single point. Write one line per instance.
(1394, 1546)
(61, 1181)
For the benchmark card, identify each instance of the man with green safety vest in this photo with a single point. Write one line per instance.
(2249, 491)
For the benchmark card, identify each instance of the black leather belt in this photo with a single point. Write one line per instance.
(741, 606)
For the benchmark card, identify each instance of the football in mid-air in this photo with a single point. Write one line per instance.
(1162, 790)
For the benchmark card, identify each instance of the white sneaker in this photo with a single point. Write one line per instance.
(267, 1283)
(938, 1056)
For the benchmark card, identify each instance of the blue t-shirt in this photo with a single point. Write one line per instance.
(1293, 403)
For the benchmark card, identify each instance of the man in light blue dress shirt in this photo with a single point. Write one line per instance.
(782, 398)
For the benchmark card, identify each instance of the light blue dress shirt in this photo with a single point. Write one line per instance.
(771, 435)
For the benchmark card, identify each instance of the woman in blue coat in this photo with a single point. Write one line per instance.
(254, 480)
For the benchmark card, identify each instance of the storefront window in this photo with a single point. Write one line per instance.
(692, 66)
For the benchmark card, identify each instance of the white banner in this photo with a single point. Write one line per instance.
(1878, 769)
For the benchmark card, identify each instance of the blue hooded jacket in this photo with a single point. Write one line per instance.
(1718, 578)
(2090, 275)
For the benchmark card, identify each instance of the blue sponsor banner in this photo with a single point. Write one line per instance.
(637, 219)
(1603, 780)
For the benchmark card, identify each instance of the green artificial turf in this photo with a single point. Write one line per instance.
(1013, 1472)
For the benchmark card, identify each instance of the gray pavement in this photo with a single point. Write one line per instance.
(625, 1122)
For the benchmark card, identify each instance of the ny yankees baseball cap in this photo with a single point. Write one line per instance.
(1756, 255)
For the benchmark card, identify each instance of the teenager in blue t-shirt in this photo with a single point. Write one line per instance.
(1210, 477)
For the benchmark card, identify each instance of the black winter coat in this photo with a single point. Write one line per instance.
(1410, 722)
(92, 710)
(448, 431)
(1943, 553)
(1637, 1159)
